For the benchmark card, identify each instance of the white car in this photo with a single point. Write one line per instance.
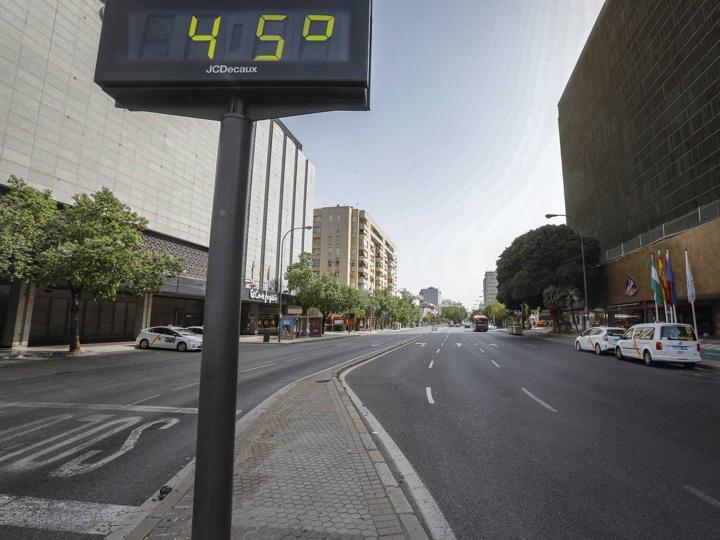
(599, 339)
(195, 330)
(168, 337)
(660, 342)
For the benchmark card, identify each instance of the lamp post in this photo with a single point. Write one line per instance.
(278, 278)
(582, 251)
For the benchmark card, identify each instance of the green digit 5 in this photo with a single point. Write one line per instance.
(211, 38)
(329, 19)
(270, 37)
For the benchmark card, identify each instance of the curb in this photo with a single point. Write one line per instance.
(431, 514)
(139, 524)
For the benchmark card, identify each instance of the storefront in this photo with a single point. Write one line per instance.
(260, 310)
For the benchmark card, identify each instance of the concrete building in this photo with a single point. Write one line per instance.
(490, 288)
(432, 295)
(59, 131)
(348, 241)
(639, 123)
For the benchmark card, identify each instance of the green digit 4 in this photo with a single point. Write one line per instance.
(210, 38)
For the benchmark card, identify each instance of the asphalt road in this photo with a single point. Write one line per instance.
(519, 437)
(92, 438)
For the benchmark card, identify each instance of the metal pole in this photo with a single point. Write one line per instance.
(282, 249)
(582, 251)
(212, 506)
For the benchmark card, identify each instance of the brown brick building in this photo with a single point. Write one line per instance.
(640, 138)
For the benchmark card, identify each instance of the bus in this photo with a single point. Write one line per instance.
(480, 322)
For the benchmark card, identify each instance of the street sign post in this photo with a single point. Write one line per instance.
(236, 62)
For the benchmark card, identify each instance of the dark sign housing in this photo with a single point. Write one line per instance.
(192, 57)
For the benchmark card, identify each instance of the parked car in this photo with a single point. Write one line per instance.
(599, 339)
(467, 325)
(660, 342)
(168, 337)
(195, 330)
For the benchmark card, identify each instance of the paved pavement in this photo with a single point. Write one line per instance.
(85, 441)
(306, 467)
(525, 438)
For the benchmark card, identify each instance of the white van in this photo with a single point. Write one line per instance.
(660, 342)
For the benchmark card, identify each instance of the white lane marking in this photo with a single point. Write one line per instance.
(459, 345)
(482, 350)
(186, 386)
(531, 346)
(57, 515)
(494, 345)
(296, 358)
(258, 367)
(540, 401)
(376, 345)
(139, 401)
(50, 453)
(432, 362)
(24, 429)
(704, 496)
(430, 399)
(76, 465)
(495, 363)
(446, 337)
(437, 352)
(98, 407)
(421, 344)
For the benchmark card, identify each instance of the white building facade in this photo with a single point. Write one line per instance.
(59, 131)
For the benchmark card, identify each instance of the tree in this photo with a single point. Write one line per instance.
(96, 248)
(27, 216)
(496, 312)
(301, 281)
(544, 257)
(456, 314)
(326, 295)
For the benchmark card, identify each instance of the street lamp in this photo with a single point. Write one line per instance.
(582, 251)
(278, 278)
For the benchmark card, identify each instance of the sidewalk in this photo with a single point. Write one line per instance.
(305, 467)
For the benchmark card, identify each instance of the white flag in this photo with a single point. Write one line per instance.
(690, 281)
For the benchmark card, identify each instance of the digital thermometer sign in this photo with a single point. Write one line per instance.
(282, 57)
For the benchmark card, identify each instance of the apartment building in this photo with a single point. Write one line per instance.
(348, 241)
(490, 287)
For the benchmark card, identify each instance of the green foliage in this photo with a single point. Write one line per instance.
(455, 314)
(27, 217)
(301, 281)
(496, 311)
(543, 257)
(97, 248)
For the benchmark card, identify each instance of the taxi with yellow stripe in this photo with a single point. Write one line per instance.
(660, 342)
(169, 337)
(599, 339)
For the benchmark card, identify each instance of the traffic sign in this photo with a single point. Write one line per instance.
(282, 57)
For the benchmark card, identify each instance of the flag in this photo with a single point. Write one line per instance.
(663, 280)
(655, 281)
(690, 281)
(671, 280)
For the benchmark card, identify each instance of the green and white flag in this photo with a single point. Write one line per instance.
(656, 287)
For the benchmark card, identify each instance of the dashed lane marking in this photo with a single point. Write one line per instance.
(186, 386)
(257, 367)
(431, 364)
(704, 496)
(139, 401)
(495, 363)
(428, 392)
(437, 352)
(494, 345)
(540, 401)
(482, 350)
(97, 407)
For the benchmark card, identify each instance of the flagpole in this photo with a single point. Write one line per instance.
(653, 270)
(663, 288)
(691, 292)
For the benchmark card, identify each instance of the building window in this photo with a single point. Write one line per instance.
(316, 263)
(337, 251)
(316, 231)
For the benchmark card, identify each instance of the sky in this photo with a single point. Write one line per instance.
(460, 153)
